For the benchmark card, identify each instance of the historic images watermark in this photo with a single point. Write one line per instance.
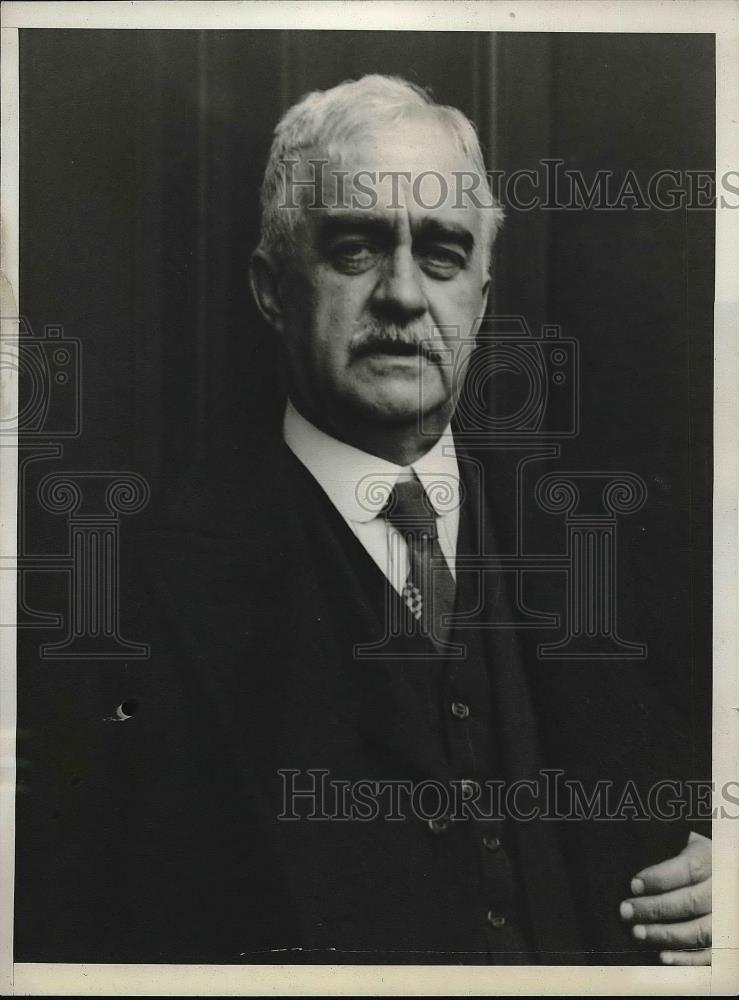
(314, 795)
(549, 185)
(49, 372)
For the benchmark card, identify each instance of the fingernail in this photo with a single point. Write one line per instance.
(640, 932)
(637, 886)
(665, 957)
(626, 910)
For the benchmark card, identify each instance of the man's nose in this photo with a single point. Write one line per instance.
(398, 294)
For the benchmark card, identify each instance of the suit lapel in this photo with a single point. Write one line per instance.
(394, 690)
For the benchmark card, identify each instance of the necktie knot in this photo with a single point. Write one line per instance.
(409, 509)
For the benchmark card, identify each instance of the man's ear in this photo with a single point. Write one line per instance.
(265, 287)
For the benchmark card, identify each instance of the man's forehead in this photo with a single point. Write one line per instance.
(391, 157)
(381, 186)
(410, 145)
(409, 158)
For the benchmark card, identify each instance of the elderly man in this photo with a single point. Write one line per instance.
(356, 287)
(329, 672)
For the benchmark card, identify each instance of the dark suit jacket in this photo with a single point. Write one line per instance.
(157, 839)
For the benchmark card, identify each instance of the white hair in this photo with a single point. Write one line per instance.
(330, 120)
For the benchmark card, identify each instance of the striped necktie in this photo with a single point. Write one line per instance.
(429, 589)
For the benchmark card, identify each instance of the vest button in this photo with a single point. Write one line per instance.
(438, 825)
(491, 844)
(496, 920)
(460, 710)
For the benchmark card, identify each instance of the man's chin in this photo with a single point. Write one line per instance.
(397, 401)
(400, 386)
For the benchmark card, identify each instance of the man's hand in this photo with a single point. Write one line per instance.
(671, 906)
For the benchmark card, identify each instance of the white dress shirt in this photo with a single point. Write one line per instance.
(359, 484)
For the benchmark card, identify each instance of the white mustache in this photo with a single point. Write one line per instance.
(374, 336)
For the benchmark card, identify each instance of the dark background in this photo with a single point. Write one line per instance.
(141, 156)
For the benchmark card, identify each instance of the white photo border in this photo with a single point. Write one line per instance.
(719, 17)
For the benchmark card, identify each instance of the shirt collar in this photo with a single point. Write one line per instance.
(357, 483)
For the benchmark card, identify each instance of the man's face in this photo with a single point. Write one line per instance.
(379, 303)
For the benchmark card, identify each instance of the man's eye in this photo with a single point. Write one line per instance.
(354, 257)
(441, 262)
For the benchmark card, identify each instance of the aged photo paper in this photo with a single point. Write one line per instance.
(368, 498)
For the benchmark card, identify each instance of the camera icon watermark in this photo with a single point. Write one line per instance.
(516, 400)
(48, 373)
(41, 398)
(508, 383)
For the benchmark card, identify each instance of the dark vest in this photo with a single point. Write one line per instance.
(444, 715)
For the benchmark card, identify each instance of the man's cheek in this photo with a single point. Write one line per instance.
(457, 304)
(343, 309)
